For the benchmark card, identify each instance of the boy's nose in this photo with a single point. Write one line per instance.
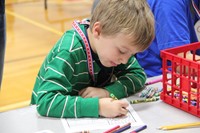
(124, 59)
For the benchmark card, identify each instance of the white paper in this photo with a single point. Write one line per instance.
(85, 124)
(44, 131)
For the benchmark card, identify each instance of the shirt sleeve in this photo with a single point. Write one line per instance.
(54, 95)
(130, 79)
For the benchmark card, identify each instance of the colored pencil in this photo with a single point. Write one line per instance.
(112, 129)
(180, 126)
(154, 81)
(123, 128)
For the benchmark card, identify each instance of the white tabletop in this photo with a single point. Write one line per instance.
(153, 114)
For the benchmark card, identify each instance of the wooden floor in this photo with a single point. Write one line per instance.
(31, 33)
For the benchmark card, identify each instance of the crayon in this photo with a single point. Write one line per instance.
(144, 100)
(157, 94)
(152, 93)
(113, 96)
(145, 92)
(149, 92)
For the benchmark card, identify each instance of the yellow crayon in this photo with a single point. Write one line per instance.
(113, 97)
(144, 100)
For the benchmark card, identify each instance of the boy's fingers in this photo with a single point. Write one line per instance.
(124, 111)
(124, 104)
(84, 94)
(81, 92)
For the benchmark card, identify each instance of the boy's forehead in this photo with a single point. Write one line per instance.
(127, 39)
(133, 49)
(130, 47)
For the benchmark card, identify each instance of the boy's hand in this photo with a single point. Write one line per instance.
(112, 108)
(94, 92)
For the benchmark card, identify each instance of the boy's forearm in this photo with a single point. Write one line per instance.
(128, 84)
(61, 106)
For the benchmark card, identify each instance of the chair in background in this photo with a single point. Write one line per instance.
(2, 37)
(45, 4)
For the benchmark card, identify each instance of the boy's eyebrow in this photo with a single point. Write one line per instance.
(123, 47)
(128, 50)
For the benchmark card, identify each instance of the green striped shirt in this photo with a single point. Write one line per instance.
(65, 72)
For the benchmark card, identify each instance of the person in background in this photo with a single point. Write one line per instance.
(75, 79)
(175, 20)
(2, 37)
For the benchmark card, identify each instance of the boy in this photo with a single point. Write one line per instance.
(175, 20)
(75, 78)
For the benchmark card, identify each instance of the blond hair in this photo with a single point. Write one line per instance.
(130, 17)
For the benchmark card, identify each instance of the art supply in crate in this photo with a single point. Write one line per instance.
(185, 95)
(182, 75)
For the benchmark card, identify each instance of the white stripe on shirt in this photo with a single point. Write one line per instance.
(51, 104)
(65, 62)
(64, 107)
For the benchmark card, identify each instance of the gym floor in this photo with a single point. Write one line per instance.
(31, 31)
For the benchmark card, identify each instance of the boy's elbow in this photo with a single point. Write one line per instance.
(41, 106)
(40, 111)
(143, 78)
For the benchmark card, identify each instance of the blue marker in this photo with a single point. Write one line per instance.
(139, 129)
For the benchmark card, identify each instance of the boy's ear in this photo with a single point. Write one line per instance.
(96, 30)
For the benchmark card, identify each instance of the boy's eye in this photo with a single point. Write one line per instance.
(122, 52)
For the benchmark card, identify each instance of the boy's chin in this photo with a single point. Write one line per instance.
(108, 65)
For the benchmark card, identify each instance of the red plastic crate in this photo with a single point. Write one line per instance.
(181, 78)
